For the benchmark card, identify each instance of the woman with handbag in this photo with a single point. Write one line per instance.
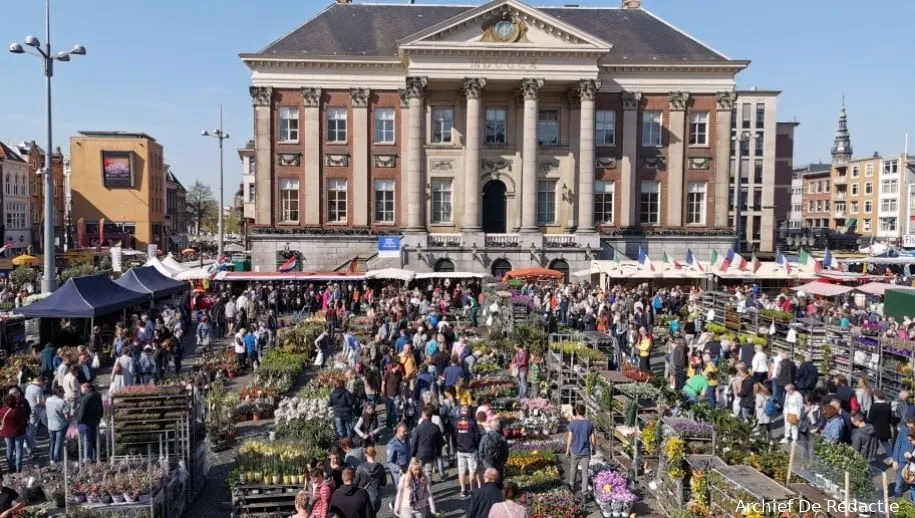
(793, 412)
(903, 460)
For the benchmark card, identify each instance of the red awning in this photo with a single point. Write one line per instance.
(822, 289)
(874, 288)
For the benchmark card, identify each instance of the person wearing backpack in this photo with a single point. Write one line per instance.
(494, 448)
(766, 409)
(579, 445)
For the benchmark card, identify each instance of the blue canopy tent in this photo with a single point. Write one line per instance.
(146, 279)
(84, 297)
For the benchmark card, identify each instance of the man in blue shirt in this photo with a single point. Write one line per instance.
(453, 373)
(579, 443)
(398, 454)
(401, 342)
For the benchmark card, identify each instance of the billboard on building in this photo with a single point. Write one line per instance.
(117, 169)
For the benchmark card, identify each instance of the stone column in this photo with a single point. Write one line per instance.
(262, 99)
(724, 104)
(571, 182)
(473, 89)
(630, 163)
(676, 143)
(402, 159)
(360, 156)
(530, 88)
(311, 133)
(588, 91)
(416, 199)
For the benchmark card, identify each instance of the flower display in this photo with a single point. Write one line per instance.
(554, 445)
(686, 428)
(556, 503)
(537, 405)
(521, 462)
(294, 408)
(611, 486)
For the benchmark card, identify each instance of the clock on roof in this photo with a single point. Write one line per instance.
(504, 29)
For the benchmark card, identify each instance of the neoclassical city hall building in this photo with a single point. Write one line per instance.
(492, 137)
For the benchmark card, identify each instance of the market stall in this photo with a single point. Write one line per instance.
(147, 279)
(84, 297)
(172, 264)
(397, 274)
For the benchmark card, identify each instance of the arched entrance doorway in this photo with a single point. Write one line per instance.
(495, 213)
(560, 265)
(500, 267)
(444, 265)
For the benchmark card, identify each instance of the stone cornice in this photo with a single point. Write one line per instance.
(725, 66)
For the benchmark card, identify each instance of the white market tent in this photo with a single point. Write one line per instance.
(391, 273)
(449, 275)
(170, 263)
(193, 274)
(769, 271)
(822, 289)
(161, 268)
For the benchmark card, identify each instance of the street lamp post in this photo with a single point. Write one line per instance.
(738, 195)
(49, 282)
(219, 135)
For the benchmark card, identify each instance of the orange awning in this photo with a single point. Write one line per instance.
(533, 274)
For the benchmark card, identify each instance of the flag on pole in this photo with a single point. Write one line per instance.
(736, 259)
(782, 261)
(353, 266)
(692, 262)
(726, 262)
(644, 261)
(618, 257)
(670, 263)
(810, 261)
(289, 265)
(827, 259)
(714, 261)
(755, 265)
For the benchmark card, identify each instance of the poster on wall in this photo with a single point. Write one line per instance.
(117, 169)
(388, 246)
(115, 258)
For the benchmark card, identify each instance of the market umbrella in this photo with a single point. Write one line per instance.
(24, 259)
(188, 251)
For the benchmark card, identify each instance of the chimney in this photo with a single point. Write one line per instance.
(630, 4)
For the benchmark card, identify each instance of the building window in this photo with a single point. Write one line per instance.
(442, 124)
(811, 187)
(889, 186)
(496, 128)
(289, 201)
(866, 225)
(855, 171)
(698, 129)
(888, 224)
(603, 202)
(695, 203)
(868, 188)
(336, 125)
(252, 166)
(384, 125)
(289, 125)
(546, 202)
(650, 196)
(888, 205)
(651, 129)
(548, 127)
(605, 128)
(757, 198)
(854, 189)
(869, 169)
(336, 201)
(744, 147)
(252, 193)
(745, 115)
(819, 205)
(756, 235)
(810, 206)
(760, 115)
(758, 170)
(384, 201)
(441, 201)
(826, 186)
(891, 167)
(7, 184)
(825, 204)
(759, 143)
(853, 207)
(868, 206)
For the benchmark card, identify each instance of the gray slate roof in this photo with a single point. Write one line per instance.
(374, 29)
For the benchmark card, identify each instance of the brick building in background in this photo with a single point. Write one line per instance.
(35, 156)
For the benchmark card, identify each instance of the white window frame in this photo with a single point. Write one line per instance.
(336, 125)
(853, 207)
(869, 169)
(866, 225)
(492, 122)
(650, 187)
(698, 129)
(855, 171)
(546, 202)
(602, 205)
(337, 190)
(442, 130)
(289, 125)
(868, 206)
(890, 167)
(385, 126)
(442, 201)
(652, 127)
(605, 128)
(868, 188)
(812, 187)
(548, 122)
(696, 199)
(889, 186)
(889, 205)
(385, 196)
(290, 185)
(855, 189)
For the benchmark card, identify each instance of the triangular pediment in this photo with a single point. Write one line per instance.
(504, 23)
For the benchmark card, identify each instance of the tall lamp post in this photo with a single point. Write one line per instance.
(219, 135)
(49, 282)
(738, 196)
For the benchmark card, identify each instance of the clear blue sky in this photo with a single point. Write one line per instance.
(164, 67)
